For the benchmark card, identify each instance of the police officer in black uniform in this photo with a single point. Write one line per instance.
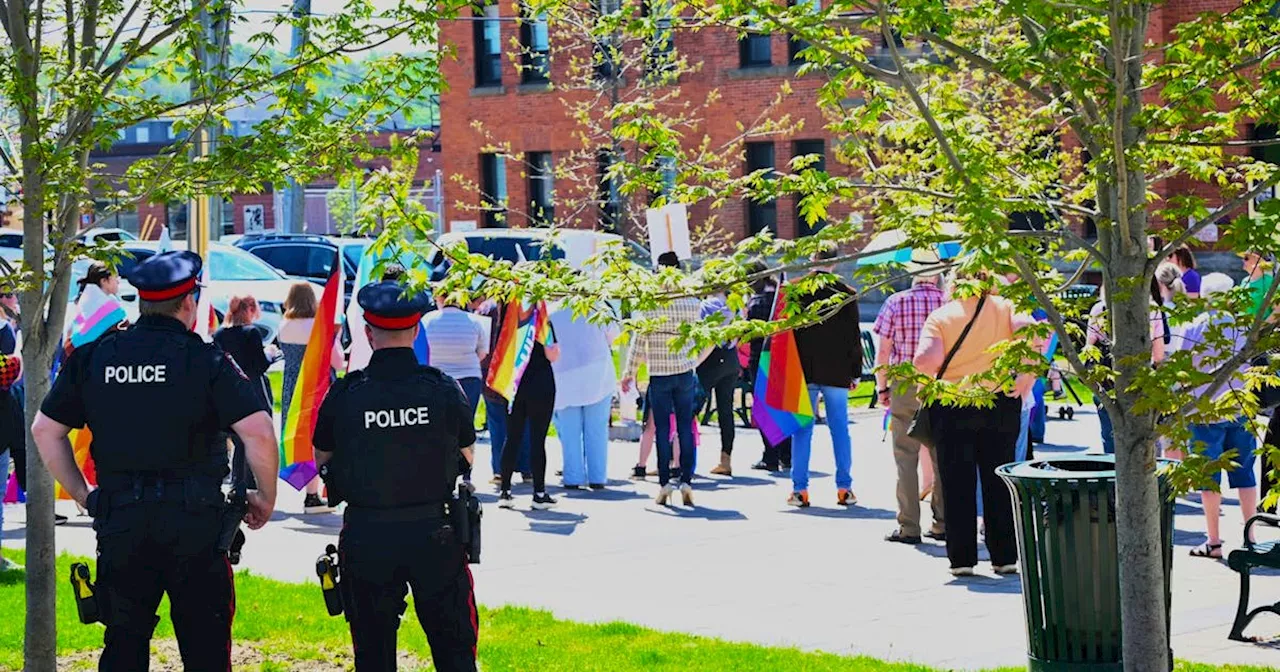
(388, 438)
(158, 400)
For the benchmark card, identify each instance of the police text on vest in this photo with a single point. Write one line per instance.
(397, 417)
(142, 373)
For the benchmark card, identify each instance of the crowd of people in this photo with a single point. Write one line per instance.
(572, 380)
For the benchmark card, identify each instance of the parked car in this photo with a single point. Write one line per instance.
(231, 271)
(104, 233)
(575, 245)
(307, 256)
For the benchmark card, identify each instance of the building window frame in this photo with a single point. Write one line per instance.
(535, 47)
(761, 215)
(660, 46)
(493, 190)
(488, 46)
(809, 146)
(755, 50)
(796, 45)
(542, 187)
(609, 195)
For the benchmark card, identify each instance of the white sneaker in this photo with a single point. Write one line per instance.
(1006, 569)
(665, 494)
(686, 493)
(961, 571)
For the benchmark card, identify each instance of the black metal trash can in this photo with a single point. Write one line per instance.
(1065, 510)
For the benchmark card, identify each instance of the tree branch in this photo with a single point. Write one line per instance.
(1225, 209)
(1059, 325)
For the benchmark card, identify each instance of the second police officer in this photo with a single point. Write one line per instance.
(388, 438)
(158, 509)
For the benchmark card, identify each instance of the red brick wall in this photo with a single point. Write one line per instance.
(267, 200)
(531, 120)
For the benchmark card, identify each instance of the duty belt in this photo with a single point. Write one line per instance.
(193, 492)
(403, 514)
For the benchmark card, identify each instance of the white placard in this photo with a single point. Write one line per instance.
(669, 231)
(254, 218)
(1209, 234)
(462, 226)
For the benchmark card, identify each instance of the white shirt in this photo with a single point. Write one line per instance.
(584, 373)
(457, 342)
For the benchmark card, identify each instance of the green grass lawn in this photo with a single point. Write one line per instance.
(288, 622)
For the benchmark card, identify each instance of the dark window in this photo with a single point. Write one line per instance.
(660, 50)
(1267, 153)
(176, 216)
(665, 167)
(303, 261)
(609, 197)
(804, 148)
(535, 45)
(488, 39)
(794, 44)
(756, 51)
(493, 188)
(606, 48)
(761, 215)
(541, 188)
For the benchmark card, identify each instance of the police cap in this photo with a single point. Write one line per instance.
(387, 306)
(167, 275)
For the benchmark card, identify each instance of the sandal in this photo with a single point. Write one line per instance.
(1207, 550)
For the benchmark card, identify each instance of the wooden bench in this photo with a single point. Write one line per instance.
(1264, 554)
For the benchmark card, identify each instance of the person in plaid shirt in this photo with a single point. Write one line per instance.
(898, 327)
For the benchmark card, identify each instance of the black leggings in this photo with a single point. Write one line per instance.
(721, 390)
(535, 401)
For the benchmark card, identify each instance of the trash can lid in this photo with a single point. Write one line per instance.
(1079, 467)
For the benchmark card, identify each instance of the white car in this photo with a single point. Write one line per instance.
(232, 272)
(575, 245)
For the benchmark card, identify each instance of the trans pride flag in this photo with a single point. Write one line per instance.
(98, 313)
(521, 329)
(781, 404)
(297, 455)
(361, 350)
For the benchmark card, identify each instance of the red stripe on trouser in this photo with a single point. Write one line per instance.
(475, 617)
(231, 583)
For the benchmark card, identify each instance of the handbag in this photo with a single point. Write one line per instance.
(921, 428)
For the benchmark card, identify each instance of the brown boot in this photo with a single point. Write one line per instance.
(723, 469)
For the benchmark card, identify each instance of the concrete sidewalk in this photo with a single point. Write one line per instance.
(743, 566)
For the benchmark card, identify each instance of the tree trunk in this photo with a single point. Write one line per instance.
(40, 644)
(1123, 200)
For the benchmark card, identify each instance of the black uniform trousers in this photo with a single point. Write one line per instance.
(970, 444)
(379, 562)
(147, 549)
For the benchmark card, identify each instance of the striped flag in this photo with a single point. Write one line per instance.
(360, 351)
(521, 329)
(297, 455)
(96, 313)
(781, 404)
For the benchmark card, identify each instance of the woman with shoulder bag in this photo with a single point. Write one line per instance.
(956, 344)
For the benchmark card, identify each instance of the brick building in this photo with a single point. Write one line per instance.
(492, 102)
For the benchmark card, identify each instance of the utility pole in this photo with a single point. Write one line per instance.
(295, 200)
(204, 214)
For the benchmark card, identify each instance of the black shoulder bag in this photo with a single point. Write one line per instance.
(921, 428)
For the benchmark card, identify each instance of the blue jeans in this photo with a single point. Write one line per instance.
(496, 420)
(836, 400)
(1213, 440)
(584, 441)
(1108, 433)
(472, 388)
(674, 394)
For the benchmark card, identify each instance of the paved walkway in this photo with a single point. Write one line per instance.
(743, 566)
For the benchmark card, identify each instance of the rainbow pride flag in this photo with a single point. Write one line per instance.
(787, 389)
(98, 313)
(80, 440)
(775, 424)
(521, 328)
(297, 455)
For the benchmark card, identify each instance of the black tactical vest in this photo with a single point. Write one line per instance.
(148, 399)
(395, 433)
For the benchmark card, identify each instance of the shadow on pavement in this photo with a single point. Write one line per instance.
(854, 512)
(1008, 585)
(607, 495)
(696, 512)
(560, 523)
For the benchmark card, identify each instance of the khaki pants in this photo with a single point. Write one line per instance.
(906, 455)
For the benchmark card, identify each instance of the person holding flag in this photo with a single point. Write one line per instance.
(829, 355)
(521, 372)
